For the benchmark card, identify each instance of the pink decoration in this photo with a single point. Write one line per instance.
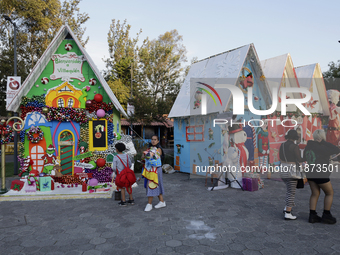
(100, 113)
(93, 182)
(88, 88)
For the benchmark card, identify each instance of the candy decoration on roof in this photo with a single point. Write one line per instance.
(92, 81)
(45, 80)
(68, 46)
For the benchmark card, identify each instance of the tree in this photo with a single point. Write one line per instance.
(38, 21)
(122, 63)
(331, 76)
(160, 73)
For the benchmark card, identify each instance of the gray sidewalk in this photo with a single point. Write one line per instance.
(195, 221)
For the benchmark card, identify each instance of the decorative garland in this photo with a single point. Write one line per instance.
(8, 133)
(94, 106)
(66, 114)
(35, 130)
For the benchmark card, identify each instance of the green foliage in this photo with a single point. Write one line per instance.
(160, 75)
(330, 76)
(154, 71)
(121, 66)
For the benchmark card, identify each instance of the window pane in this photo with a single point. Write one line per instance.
(70, 102)
(190, 130)
(199, 137)
(198, 129)
(190, 137)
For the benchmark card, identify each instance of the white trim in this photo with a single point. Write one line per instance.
(46, 57)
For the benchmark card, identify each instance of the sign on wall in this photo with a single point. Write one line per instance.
(98, 134)
(67, 66)
(13, 85)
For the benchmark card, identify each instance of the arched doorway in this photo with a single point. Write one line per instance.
(66, 149)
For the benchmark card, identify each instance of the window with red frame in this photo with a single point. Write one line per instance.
(36, 153)
(195, 133)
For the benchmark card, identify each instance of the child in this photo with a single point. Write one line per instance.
(119, 162)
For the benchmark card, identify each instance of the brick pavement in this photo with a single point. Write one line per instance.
(195, 221)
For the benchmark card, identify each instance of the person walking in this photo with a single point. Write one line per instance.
(154, 174)
(290, 155)
(318, 153)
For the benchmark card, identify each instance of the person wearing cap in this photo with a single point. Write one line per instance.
(289, 155)
(317, 153)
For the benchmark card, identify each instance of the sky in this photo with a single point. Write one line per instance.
(308, 30)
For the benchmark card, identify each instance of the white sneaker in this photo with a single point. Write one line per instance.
(160, 205)
(289, 216)
(148, 208)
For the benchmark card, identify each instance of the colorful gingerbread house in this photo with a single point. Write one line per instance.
(204, 108)
(68, 110)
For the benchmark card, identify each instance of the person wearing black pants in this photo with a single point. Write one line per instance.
(318, 152)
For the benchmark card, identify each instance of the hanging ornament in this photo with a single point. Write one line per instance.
(88, 103)
(100, 113)
(98, 98)
(68, 46)
(44, 80)
(92, 81)
(101, 162)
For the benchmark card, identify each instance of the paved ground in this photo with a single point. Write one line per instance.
(195, 221)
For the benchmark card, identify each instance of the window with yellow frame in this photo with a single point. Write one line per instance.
(98, 135)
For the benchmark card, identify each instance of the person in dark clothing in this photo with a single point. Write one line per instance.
(289, 155)
(318, 153)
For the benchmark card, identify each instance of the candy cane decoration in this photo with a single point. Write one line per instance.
(36, 181)
(254, 137)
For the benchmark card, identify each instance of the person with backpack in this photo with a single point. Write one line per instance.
(125, 177)
(154, 174)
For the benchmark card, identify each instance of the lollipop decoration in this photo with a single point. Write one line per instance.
(92, 81)
(45, 80)
(68, 46)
